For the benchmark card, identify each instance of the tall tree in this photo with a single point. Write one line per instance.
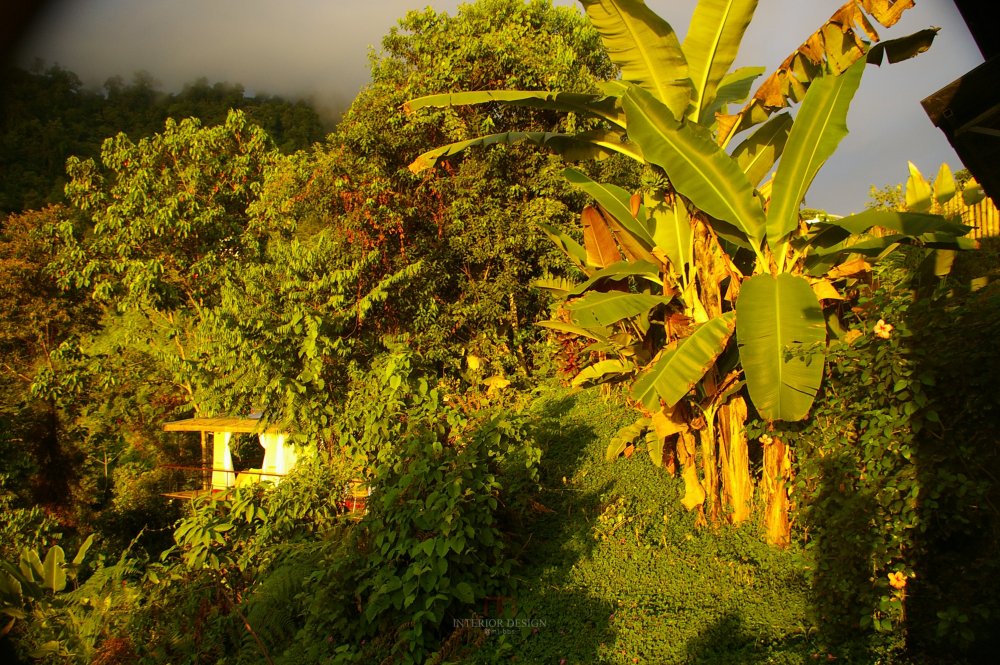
(475, 229)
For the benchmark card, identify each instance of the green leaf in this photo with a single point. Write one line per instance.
(672, 232)
(654, 446)
(620, 271)
(645, 47)
(82, 552)
(819, 126)
(574, 147)
(710, 47)
(944, 185)
(761, 150)
(697, 167)
(602, 106)
(574, 250)
(603, 309)
(902, 48)
(597, 333)
(615, 202)
(733, 89)
(599, 370)
(677, 371)
(559, 287)
(54, 575)
(833, 232)
(464, 593)
(918, 191)
(625, 436)
(781, 333)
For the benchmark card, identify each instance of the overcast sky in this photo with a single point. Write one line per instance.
(319, 49)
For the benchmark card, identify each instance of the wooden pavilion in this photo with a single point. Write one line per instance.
(216, 470)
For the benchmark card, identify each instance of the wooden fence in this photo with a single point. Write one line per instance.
(982, 217)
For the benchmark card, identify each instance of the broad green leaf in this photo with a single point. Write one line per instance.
(576, 253)
(672, 232)
(599, 334)
(645, 47)
(82, 552)
(619, 271)
(697, 167)
(557, 286)
(615, 200)
(625, 436)
(571, 146)
(600, 370)
(654, 445)
(902, 48)
(603, 309)
(734, 88)
(834, 231)
(761, 150)
(710, 47)
(918, 191)
(781, 334)
(679, 369)
(602, 106)
(944, 185)
(54, 575)
(819, 126)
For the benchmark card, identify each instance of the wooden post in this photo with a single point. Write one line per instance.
(206, 463)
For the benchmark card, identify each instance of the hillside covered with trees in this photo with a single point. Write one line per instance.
(568, 376)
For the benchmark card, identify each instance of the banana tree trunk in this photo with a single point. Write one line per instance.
(734, 459)
(694, 493)
(710, 471)
(777, 474)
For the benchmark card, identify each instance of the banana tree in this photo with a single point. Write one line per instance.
(696, 288)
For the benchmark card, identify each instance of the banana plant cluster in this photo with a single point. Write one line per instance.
(705, 285)
(35, 580)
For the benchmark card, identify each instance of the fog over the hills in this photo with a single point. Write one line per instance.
(319, 49)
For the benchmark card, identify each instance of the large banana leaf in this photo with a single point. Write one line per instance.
(603, 370)
(819, 126)
(603, 309)
(781, 334)
(620, 271)
(573, 250)
(679, 369)
(645, 47)
(834, 231)
(710, 47)
(672, 232)
(597, 334)
(903, 48)
(697, 167)
(602, 106)
(596, 144)
(761, 150)
(819, 261)
(734, 88)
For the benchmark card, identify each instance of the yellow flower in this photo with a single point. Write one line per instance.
(883, 329)
(766, 440)
(897, 580)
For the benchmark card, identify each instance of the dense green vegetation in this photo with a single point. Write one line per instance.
(214, 256)
(47, 116)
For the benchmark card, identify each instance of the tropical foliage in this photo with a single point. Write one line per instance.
(822, 384)
(708, 248)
